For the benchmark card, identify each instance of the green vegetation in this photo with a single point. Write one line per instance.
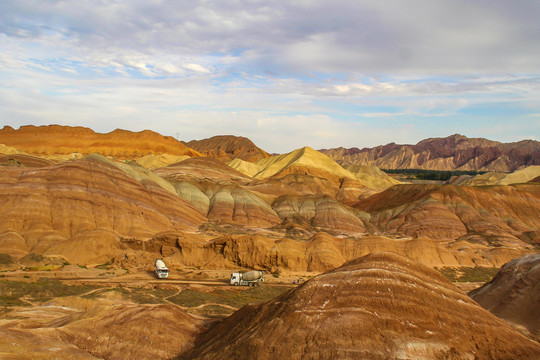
(48, 267)
(42, 290)
(468, 274)
(235, 298)
(421, 174)
(106, 266)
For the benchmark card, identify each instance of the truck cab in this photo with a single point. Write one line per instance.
(161, 271)
(235, 279)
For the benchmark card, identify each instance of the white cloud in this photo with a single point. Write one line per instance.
(286, 74)
(196, 68)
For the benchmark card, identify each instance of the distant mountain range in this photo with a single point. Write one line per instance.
(455, 152)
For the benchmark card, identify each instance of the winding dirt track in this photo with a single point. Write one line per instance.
(132, 280)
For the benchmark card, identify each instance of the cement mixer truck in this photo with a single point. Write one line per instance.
(161, 271)
(250, 278)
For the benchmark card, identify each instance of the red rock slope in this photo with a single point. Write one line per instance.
(455, 152)
(79, 209)
(494, 216)
(381, 306)
(228, 147)
(514, 293)
(62, 140)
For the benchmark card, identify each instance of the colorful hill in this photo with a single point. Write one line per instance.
(514, 293)
(381, 306)
(54, 140)
(228, 147)
(455, 152)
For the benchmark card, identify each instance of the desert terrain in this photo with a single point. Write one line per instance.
(357, 263)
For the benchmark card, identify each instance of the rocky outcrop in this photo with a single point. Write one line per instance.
(381, 306)
(514, 293)
(238, 206)
(228, 147)
(214, 189)
(318, 212)
(202, 169)
(63, 140)
(80, 209)
(455, 152)
(318, 253)
(494, 216)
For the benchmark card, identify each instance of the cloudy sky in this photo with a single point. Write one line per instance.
(285, 74)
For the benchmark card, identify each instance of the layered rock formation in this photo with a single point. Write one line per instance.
(495, 216)
(206, 169)
(63, 140)
(381, 306)
(372, 176)
(80, 209)
(321, 252)
(156, 161)
(310, 163)
(90, 210)
(76, 328)
(318, 211)
(213, 188)
(135, 331)
(455, 152)
(227, 147)
(514, 293)
(23, 160)
(303, 161)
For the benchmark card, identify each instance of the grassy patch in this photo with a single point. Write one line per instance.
(48, 267)
(235, 298)
(39, 291)
(106, 266)
(468, 274)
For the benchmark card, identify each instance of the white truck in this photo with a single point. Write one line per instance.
(250, 278)
(161, 271)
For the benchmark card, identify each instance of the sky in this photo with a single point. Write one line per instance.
(285, 74)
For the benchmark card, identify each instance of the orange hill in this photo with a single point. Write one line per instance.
(81, 209)
(381, 306)
(491, 215)
(63, 140)
(514, 293)
(228, 147)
